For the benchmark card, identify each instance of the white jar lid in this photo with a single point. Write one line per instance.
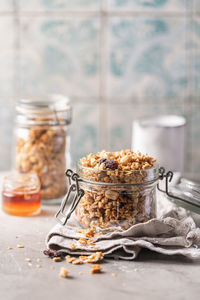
(54, 109)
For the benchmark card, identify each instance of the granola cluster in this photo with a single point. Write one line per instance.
(63, 272)
(42, 150)
(124, 196)
(93, 258)
(88, 240)
(96, 269)
(123, 166)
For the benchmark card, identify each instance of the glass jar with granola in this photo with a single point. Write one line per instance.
(119, 189)
(115, 190)
(42, 142)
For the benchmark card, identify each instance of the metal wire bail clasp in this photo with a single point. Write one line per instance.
(168, 178)
(64, 214)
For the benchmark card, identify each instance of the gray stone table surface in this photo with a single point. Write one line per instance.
(151, 276)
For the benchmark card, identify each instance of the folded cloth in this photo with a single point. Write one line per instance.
(172, 233)
(169, 235)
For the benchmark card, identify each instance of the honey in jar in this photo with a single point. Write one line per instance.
(21, 194)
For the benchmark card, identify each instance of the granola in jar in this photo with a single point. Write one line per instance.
(119, 189)
(42, 143)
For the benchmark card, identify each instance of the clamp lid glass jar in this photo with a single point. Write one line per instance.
(113, 193)
(42, 142)
(186, 194)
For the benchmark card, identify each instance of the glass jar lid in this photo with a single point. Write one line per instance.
(20, 183)
(51, 110)
(186, 194)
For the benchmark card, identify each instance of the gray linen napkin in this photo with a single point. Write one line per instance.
(169, 235)
(172, 233)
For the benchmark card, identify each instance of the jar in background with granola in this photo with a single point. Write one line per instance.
(42, 142)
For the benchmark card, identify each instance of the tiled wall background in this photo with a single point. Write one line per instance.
(116, 59)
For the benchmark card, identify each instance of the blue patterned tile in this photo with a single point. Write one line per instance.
(84, 130)
(193, 138)
(145, 59)
(59, 5)
(6, 131)
(6, 5)
(7, 56)
(196, 6)
(60, 55)
(150, 5)
(195, 57)
(120, 129)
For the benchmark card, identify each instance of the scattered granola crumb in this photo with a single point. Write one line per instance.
(80, 273)
(10, 248)
(89, 232)
(83, 258)
(56, 259)
(113, 274)
(63, 272)
(82, 241)
(93, 258)
(72, 246)
(97, 256)
(77, 262)
(98, 234)
(52, 267)
(27, 259)
(95, 247)
(69, 259)
(38, 266)
(20, 246)
(95, 269)
(17, 236)
(90, 241)
(38, 259)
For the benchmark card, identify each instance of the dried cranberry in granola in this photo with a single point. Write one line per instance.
(53, 253)
(109, 164)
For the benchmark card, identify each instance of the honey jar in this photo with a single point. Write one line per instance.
(21, 194)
